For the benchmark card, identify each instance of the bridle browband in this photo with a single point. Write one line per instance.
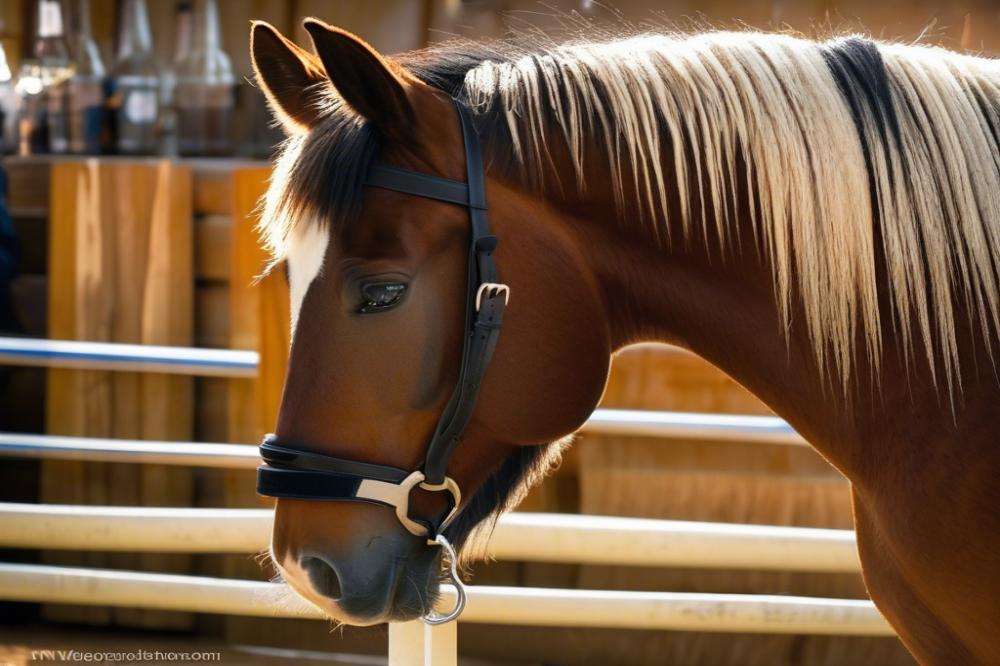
(292, 473)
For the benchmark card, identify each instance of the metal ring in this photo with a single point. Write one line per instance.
(432, 617)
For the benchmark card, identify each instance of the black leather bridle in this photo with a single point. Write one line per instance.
(293, 473)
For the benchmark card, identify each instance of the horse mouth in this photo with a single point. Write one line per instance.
(405, 595)
(406, 590)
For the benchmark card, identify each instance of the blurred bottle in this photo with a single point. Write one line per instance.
(184, 17)
(52, 53)
(205, 91)
(86, 87)
(135, 84)
(8, 106)
(257, 136)
(32, 125)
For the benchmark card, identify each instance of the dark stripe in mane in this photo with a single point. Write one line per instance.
(860, 73)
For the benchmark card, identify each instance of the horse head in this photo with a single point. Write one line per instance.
(380, 294)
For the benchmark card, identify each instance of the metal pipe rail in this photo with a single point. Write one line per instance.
(523, 537)
(693, 425)
(99, 449)
(126, 357)
(244, 363)
(678, 611)
(637, 423)
(85, 355)
(584, 539)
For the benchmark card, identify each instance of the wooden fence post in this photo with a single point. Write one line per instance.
(418, 644)
(121, 270)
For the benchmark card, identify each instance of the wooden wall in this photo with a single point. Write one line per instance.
(120, 271)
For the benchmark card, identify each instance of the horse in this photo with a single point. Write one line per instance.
(818, 219)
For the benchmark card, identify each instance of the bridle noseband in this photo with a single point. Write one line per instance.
(296, 474)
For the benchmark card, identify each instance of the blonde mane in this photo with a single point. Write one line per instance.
(857, 152)
(831, 170)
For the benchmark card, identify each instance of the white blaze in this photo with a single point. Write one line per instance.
(304, 252)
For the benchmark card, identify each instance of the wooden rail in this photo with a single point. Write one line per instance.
(530, 537)
(538, 537)
(677, 611)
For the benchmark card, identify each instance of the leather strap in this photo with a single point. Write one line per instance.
(298, 474)
(279, 456)
(418, 184)
(307, 484)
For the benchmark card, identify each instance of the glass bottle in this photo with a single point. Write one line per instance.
(184, 20)
(52, 53)
(86, 87)
(8, 106)
(205, 91)
(32, 128)
(135, 99)
(256, 135)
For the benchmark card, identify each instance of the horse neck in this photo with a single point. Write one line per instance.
(720, 303)
(721, 308)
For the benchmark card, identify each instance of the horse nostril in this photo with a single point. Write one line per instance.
(322, 576)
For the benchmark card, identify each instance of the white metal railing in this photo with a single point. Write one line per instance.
(692, 425)
(678, 611)
(529, 537)
(583, 539)
(126, 357)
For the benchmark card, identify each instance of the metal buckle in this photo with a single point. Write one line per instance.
(432, 617)
(495, 288)
(398, 496)
(451, 486)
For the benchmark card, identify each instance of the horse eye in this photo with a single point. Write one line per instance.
(378, 296)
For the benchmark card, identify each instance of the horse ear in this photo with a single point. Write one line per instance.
(371, 84)
(292, 79)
